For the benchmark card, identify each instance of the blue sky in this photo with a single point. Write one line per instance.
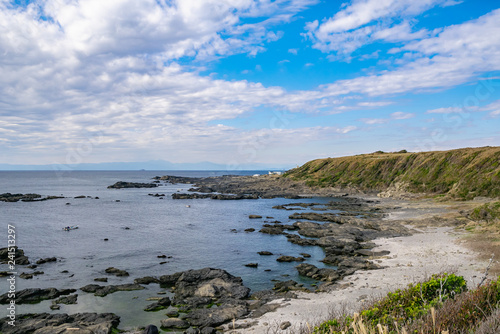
(239, 82)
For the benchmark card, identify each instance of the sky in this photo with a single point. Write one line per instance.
(239, 82)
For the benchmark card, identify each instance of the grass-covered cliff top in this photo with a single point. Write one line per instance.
(463, 173)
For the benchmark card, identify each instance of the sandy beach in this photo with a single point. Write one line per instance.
(413, 258)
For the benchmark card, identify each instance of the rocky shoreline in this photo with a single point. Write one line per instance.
(206, 299)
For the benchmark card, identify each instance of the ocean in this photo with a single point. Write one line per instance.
(193, 233)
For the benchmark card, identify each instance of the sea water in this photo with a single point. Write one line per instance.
(192, 233)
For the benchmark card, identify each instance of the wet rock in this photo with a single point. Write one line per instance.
(250, 230)
(265, 253)
(305, 255)
(252, 265)
(18, 253)
(254, 216)
(122, 184)
(102, 291)
(101, 279)
(286, 258)
(117, 272)
(26, 276)
(71, 299)
(49, 259)
(35, 295)
(146, 280)
(159, 305)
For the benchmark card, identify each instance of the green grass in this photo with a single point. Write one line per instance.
(439, 304)
(461, 174)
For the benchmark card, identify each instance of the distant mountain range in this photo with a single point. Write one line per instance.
(147, 165)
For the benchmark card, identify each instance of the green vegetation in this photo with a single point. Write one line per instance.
(487, 212)
(440, 304)
(460, 174)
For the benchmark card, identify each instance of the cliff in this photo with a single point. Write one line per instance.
(462, 173)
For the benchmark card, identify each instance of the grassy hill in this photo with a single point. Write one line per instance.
(462, 173)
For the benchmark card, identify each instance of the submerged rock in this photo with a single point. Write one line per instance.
(102, 291)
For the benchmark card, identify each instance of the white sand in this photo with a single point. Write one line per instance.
(412, 259)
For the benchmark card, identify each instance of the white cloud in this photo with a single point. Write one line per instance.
(493, 108)
(447, 110)
(374, 120)
(365, 21)
(458, 54)
(293, 51)
(402, 115)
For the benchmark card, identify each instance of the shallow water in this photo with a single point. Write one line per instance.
(195, 237)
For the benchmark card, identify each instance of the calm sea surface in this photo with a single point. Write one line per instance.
(209, 233)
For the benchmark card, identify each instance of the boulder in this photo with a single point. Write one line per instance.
(174, 323)
(217, 316)
(117, 272)
(49, 259)
(159, 305)
(208, 282)
(18, 253)
(71, 299)
(150, 329)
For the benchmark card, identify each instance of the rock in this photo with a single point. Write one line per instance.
(305, 255)
(26, 276)
(122, 184)
(162, 256)
(35, 295)
(55, 307)
(146, 280)
(208, 283)
(159, 305)
(49, 259)
(115, 271)
(174, 323)
(285, 325)
(290, 285)
(45, 323)
(252, 265)
(71, 299)
(191, 330)
(208, 330)
(217, 316)
(250, 230)
(286, 258)
(367, 252)
(323, 274)
(254, 216)
(150, 329)
(101, 279)
(102, 291)
(18, 253)
(172, 313)
(265, 253)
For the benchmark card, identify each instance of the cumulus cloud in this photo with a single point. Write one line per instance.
(364, 21)
(458, 54)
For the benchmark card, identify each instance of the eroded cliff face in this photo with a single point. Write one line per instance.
(462, 174)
